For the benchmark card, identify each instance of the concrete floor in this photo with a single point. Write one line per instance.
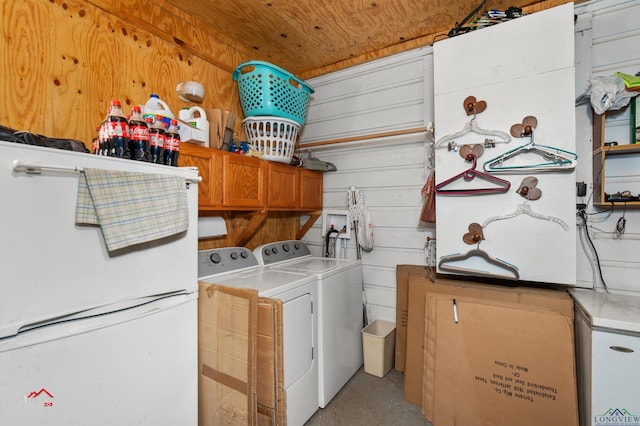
(370, 400)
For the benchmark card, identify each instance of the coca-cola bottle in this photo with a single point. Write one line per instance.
(95, 144)
(172, 145)
(117, 131)
(156, 142)
(140, 136)
(103, 139)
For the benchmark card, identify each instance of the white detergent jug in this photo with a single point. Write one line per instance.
(156, 106)
(196, 129)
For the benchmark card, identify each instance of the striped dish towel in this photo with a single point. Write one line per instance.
(130, 207)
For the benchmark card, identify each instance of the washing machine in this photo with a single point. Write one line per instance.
(238, 267)
(607, 333)
(340, 309)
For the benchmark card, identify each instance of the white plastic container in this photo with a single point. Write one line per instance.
(156, 106)
(194, 126)
(378, 343)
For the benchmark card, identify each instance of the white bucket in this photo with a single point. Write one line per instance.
(196, 128)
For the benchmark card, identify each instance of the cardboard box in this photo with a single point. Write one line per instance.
(503, 364)
(465, 290)
(402, 309)
(227, 342)
(270, 393)
(418, 368)
(414, 351)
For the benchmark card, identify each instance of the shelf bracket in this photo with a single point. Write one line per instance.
(313, 216)
(257, 218)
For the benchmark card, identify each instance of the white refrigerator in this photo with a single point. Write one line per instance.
(90, 336)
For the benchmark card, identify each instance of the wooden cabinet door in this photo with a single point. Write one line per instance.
(208, 161)
(243, 180)
(310, 190)
(282, 186)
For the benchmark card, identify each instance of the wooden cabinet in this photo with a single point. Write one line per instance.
(243, 182)
(209, 166)
(601, 153)
(236, 182)
(283, 187)
(310, 190)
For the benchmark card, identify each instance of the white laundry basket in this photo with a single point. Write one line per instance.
(274, 137)
(378, 342)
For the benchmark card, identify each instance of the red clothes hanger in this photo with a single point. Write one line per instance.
(468, 175)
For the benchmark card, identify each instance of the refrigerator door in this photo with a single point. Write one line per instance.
(135, 365)
(50, 266)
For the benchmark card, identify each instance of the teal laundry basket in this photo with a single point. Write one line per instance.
(268, 90)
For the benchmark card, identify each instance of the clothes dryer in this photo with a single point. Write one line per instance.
(238, 267)
(340, 309)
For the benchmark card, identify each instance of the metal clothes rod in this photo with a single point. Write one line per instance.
(37, 168)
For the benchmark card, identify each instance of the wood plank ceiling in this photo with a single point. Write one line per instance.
(309, 35)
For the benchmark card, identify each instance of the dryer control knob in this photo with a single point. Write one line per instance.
(267, 252)
(215, 258)
(243, 254)
(286, 247)
(274, 250)
(234, 255)
(296, 246)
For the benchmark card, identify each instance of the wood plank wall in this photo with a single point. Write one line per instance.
(63, 61)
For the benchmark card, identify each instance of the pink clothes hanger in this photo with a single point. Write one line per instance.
(468, 175)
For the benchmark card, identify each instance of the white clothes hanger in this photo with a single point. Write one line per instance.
(524, 208)
(472, 127)
(445, 265)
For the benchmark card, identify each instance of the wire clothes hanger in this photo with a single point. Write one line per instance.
(470, 174)
(554, 159)
(446, 264)
(525, 208)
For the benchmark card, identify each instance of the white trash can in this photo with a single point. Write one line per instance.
(378, 343)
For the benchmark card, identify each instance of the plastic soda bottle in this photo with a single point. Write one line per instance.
(156, 141)
(117, 131)
(172, 144)
(140, 136)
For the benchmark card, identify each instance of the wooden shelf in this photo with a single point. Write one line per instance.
(633, 148)
(618, 204)
(600, 154)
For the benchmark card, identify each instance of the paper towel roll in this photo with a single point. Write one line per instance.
(213, 226)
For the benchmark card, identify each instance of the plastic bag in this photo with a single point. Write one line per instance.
(608, 93)
(428, 191)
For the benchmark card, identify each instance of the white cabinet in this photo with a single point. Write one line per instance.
(607, 329)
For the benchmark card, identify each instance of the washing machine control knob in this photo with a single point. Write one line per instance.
(243, 254)
(267, 252)
(286, 247)
(296, 246)
(234, 255)
(274, 250)
(215, 258)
